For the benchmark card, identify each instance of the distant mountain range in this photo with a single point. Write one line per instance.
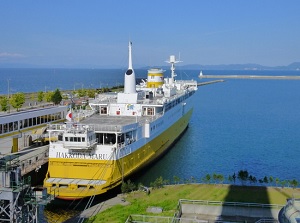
(292, 66)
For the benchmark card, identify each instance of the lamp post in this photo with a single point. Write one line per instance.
(8, 90)
(78, 84)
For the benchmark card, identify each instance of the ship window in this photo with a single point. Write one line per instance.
(121, 138)
(5, 127)
(103, 110)
(150, 111)
(109, 138)
(71, 139)
(82, 139)
(99, 137)
(75, 139)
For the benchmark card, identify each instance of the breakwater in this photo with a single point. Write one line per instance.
(261, 77)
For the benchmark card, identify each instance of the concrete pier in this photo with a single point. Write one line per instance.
(261, 77)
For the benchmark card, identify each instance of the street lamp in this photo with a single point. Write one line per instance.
(8, 91)
(78, 84)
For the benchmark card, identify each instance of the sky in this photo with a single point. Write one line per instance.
(95, 34)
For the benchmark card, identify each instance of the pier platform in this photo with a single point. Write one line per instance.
(261, 77)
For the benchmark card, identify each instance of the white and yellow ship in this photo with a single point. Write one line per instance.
(127, 132)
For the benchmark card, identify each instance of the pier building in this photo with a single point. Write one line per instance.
(18, 130)
(22, 120)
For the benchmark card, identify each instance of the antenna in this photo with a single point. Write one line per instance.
(173, 61)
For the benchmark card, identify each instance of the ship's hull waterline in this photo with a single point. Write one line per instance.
(111, 171)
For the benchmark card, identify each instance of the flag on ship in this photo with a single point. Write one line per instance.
(69, 116)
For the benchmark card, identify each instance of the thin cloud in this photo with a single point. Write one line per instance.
(6, 55)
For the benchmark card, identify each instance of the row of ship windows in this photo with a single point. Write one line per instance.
(74, 139)
(21, 124)
(102, 138)
(177, 101)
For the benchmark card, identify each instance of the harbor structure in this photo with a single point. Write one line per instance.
(20, 129)
(259, 77)
(19, 200)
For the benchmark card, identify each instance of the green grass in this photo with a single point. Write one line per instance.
(168, 197)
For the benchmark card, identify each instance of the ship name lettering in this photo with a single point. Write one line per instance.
(80, 156)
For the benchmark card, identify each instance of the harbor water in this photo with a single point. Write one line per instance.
(238, 124)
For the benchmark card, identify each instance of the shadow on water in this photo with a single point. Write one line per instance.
(239, 198)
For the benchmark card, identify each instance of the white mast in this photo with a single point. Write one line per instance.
(173, 61)
(129, 82)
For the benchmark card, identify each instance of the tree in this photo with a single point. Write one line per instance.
(128, 187)
(271, 180)
(220, 178)
(277, 181)
(17, 100)
(215, 177)
(193, 179)
(234, 177)
(251, 179)
(4, 103)
(207, 178)
(243, 176)
(176, 179)
(56, 97)
(158, 183)
(266, 181)
(283, 183)
(40, 96)
(81, 92)
(91, 93)
(294, 183)
(48, 96)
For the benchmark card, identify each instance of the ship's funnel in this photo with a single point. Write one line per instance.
(129, 81)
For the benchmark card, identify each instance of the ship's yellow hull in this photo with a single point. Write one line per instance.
(110, 172)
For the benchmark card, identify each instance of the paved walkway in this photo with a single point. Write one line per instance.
(228, 213)
(94, 210)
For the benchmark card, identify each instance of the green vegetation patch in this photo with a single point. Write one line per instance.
(168, 197)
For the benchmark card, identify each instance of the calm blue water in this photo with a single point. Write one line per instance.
(34, 80)
(251, 125)
(237, 125)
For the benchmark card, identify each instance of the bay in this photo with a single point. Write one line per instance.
(237, 125)
(251, 125)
